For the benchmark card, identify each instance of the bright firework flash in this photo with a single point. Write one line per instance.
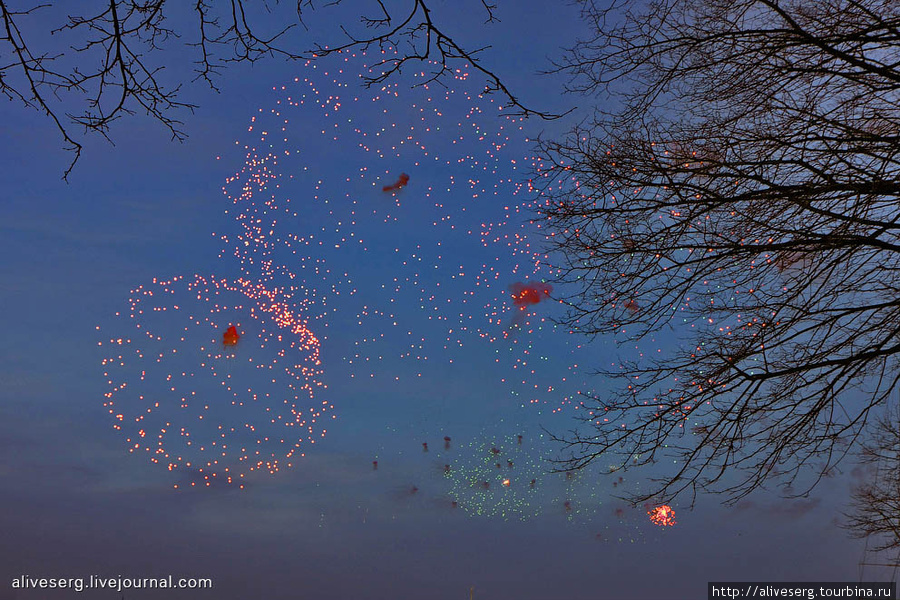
(664, 516)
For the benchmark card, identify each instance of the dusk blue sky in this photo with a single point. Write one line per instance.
(76, 502)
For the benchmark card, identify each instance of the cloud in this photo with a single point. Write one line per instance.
(784, 508)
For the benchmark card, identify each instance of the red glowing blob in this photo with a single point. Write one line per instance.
(527, 293)
(231, 336)
(401, 182)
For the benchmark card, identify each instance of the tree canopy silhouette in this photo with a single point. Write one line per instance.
(739, 196)
(875, 504)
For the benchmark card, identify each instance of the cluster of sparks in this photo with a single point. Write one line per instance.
(505, 476)
(498, 478)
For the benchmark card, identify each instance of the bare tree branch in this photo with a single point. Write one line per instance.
(425, 41)
(116, 64)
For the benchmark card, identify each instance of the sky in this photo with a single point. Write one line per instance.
(380, 428)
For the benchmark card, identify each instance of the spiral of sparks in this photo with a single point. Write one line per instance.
(189, 401)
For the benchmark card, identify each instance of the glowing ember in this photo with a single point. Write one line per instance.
(231, 336)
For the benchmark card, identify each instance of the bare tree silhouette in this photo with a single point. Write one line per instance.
(875, 505)
(110, 63)
(740, 198)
